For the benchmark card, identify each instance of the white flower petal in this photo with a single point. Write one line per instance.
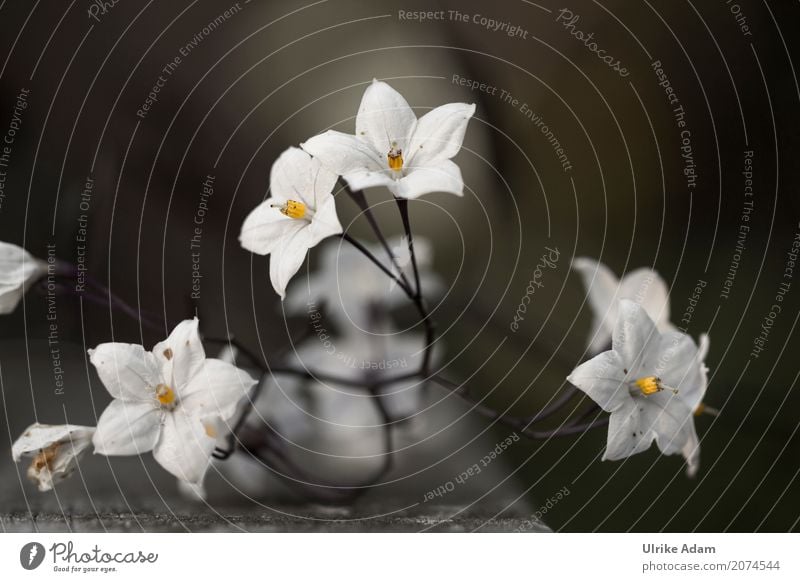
(39, 436)
(670, 420)
(363, 179)
(287, 258)
(55, 451)
(181, 355)
(691, 452)
(636, 339)
(441, 176)
(601, 286)
(603, 379)
(648, 289)
(343, 153)
(18, 271)
(265, 227)
(384, 118)
(439, 134)
(127, 371)
(127, 428)
(185, 446)
(680, 366)
(215, 390)
(325, 222)
(323, 182)
(625, 434)
(292, 177)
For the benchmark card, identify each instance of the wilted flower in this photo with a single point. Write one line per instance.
(651, 383)
(18, 271)
(299, 214)
(643, 286)
(55, 450)
(168, 400)
(393, 148)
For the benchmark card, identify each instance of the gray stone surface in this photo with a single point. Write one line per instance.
(302, 518)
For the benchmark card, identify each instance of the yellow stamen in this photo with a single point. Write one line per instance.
(165, 395)
(395, 158)
(703, 409)
(649, 385)
(292, 209)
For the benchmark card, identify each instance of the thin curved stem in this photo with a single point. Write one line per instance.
(365, 251)
(361, 200)
(520, 424)
(402, 206)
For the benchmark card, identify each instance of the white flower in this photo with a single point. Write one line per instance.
(393, 148)
(351, 287)
(55, 451)
(651, 383)
(300, 213)
(18, 271)
(168, 400)
(643, 286)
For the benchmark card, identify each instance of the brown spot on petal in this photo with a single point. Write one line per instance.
(210, 430)
(45, 457)
(168, 353)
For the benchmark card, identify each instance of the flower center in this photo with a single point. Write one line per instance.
(292, 209)
(45, 458)
(165, 395)
(648, 385)
(395, 158)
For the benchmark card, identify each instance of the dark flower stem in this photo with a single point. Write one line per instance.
(402, 206)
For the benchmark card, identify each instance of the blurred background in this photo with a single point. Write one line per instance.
(270, 74)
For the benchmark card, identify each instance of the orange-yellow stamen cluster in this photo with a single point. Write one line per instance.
(292, 209)
(395, 158)
(165, 395)
(649, 385)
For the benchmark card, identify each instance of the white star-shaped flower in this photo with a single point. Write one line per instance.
(18, 271)
(55, 451)
(300, 213)
(393, 148)
(168, 400)
(643, 286)
(651, 383)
